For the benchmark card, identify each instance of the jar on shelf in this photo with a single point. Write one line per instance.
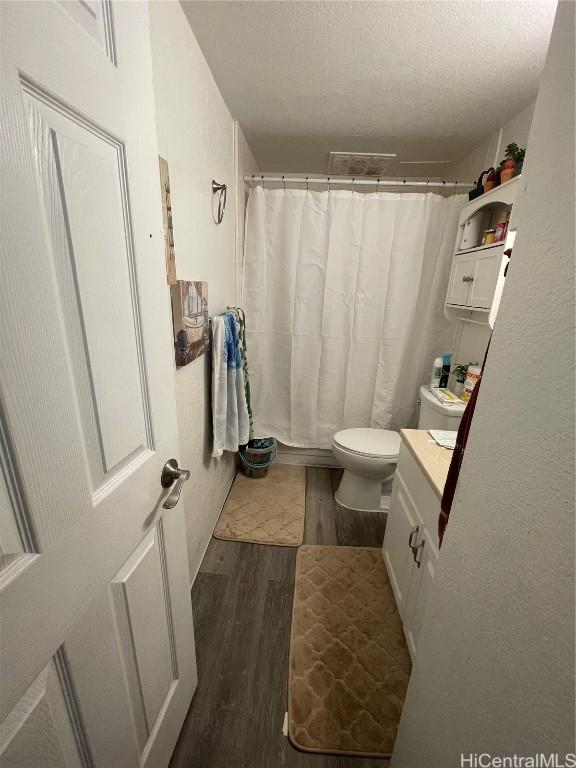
(489, 237)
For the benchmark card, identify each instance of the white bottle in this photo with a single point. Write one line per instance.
(436, 373)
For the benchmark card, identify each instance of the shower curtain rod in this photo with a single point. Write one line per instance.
(331, 180)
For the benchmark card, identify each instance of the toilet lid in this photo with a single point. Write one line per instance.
(380, 443)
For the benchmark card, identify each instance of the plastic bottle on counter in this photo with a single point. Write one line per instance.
(472, 376)
(436, 373)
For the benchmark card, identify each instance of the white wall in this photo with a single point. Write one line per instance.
(245, 165)
(495, 665)
(196, 136)
(491, 150)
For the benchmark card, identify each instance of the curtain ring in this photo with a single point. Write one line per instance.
(262, 180)
(283, 184)
(353, 181)
(307, 185)
(328, 183)
(427, 183)
(252, 182)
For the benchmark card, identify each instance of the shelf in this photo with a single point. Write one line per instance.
(494, 192)
(480, 248)
(503, 194)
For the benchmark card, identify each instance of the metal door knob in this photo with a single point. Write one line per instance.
(173, 475)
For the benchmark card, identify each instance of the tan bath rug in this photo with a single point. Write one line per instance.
(267, 510)
(349, 663)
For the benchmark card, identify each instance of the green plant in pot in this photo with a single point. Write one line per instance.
(520, 155)
(459, 373)
(512, 163)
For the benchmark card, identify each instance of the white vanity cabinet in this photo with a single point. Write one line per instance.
(410, 546)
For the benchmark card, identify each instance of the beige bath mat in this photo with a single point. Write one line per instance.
(349, 663)
(267, 510)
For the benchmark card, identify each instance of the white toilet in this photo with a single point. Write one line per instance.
(369, 458)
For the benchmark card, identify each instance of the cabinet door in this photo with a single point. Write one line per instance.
(419, 589)
(397, 553)
(458, 287)
(485, 271)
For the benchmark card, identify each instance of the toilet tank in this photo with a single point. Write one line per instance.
(435, 415)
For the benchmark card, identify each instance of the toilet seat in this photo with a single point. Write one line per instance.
(373, 443)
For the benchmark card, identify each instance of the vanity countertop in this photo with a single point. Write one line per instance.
(431, 457)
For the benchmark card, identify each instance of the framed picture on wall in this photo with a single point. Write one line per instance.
(168, 223)
(190, 320)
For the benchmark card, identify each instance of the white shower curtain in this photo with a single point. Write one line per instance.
(343, 293)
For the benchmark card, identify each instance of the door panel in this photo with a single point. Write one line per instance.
(419, 590)
(457, 287)
(87, 403)
(485, 273)
(95, 17)
(397, 553)
(39, 733)
(81, 172)
(144, 618)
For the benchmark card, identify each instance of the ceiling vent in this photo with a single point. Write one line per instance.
(360, 164)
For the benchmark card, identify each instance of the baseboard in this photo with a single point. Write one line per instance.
(311, 457)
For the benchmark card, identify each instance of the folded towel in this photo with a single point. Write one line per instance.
(231, 423)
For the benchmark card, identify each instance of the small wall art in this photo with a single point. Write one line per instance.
(168, 223)
(190, 320)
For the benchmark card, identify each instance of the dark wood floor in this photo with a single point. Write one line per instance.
(242, 604)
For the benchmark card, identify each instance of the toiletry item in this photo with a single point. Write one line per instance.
(436, 373)
(502, 226)
(489, 237)
(500, 232)
(472, 376)
(446, 360)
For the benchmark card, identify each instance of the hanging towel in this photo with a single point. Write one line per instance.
(230, 418)
(242, 323)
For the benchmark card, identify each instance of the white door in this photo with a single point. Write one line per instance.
(97, 648)
(459, 284)
(485, 273)
(426, 558)
(402, 531)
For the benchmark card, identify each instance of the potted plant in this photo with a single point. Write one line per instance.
(490, 180)
(459, 373)
(512, 163)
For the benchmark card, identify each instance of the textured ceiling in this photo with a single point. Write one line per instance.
(427, 80)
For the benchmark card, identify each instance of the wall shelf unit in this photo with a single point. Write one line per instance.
(477, 274)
